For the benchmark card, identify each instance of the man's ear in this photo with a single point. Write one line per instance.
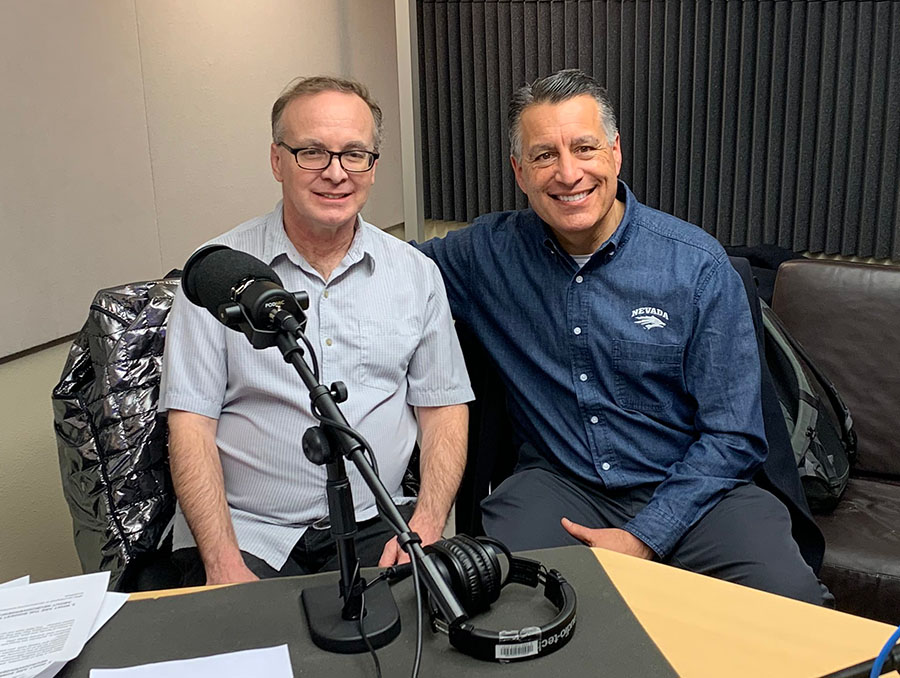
(517, 170)
(617, 153)
(275, 159)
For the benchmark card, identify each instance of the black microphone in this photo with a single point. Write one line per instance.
(214, 274)
(243, 292)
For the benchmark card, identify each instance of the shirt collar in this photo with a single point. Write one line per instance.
(362, 248)
(277, 243)
(620, 236)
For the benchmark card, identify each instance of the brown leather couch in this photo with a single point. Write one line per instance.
(847, 317)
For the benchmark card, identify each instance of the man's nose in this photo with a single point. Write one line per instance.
(568, 168)
(335, 171)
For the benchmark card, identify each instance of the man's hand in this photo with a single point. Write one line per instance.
(236, 574)
(394, 555)
(610, 538)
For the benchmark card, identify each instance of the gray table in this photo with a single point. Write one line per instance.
(608, 640)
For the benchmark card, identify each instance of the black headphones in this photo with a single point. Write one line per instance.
(473, 570)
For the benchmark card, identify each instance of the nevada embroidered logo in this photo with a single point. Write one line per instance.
(649, 318)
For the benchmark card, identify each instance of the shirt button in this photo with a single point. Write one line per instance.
(579, 279)
(583, 377)
(328, 342)
(605, 466)
(594, 420)
(325, 294)
(577, 330)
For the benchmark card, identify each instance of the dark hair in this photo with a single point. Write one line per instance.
(325, 83)
(561, 86)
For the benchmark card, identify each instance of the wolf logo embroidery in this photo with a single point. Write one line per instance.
(649, 318)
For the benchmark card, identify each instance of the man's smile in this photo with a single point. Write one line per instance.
(573, 197)
(331, 196)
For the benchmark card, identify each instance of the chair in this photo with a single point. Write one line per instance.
(847, 317)
(493, 450)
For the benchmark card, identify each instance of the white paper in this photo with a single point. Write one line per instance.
(112, 603)
(44, 625)
(272, 662)
(21, 581)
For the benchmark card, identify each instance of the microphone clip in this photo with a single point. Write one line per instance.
(261, 309)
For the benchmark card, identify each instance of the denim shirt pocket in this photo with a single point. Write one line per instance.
(386, 347)
(647, 376)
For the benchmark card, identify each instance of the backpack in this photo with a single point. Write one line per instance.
(818, 421)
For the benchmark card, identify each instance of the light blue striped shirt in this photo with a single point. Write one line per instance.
(381, 324)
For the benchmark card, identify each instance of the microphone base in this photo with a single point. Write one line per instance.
(322, 606)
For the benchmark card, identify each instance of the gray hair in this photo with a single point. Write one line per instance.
(325, 83)
(554, 89)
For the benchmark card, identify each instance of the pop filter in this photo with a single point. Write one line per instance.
(214, 272)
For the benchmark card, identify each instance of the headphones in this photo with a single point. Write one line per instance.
(472, 569)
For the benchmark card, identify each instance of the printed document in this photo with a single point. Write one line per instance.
(272, 662)
(44, 625)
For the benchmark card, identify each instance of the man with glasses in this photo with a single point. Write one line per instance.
(249, 502)
(626, 344)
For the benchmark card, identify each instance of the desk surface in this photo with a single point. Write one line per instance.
(706, 627)
(710, 628)
(608, 639)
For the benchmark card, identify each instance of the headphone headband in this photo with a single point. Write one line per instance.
(472, 568)
(527, 642)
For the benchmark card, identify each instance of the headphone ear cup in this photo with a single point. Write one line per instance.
(496, 549)
(464, 577)
(488, 566)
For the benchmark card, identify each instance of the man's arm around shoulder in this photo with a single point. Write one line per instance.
(200, 488)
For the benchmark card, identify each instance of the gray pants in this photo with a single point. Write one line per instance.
(745, 538)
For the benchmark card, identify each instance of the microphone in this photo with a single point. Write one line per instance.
(214, 272)
(243, 293)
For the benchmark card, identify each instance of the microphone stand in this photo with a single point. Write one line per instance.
(335, 621)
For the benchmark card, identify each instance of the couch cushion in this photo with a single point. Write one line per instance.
(862, 550)
(847, 317)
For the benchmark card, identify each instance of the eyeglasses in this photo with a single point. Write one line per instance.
(319, 158)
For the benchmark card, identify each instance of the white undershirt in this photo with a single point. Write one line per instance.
(581, 259)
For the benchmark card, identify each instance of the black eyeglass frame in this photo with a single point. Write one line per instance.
(331, 156)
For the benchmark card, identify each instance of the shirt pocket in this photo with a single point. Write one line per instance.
(386, 347)
(647, 376)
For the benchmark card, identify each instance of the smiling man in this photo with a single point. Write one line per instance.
(249, 502)
(625, 340)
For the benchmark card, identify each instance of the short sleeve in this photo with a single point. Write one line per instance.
(194, 371)
(437, 372)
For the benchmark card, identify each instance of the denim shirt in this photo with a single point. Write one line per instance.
(639, 368)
